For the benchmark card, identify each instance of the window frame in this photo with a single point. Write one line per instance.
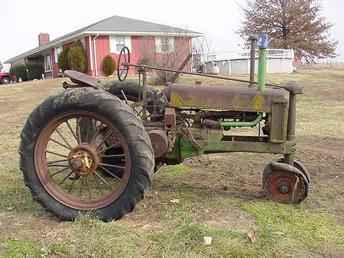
(125, 41)
(57, 52)
(160, 48)
(48, 66)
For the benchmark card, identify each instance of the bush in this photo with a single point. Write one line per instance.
(19, 71)
(108, 65)
(35, 71)
(27, 72)
(63, 60)
(77, 59)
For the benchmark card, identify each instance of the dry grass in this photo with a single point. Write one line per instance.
(219, 195)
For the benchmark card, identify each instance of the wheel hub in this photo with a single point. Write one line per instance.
(83, 159)
(283, 188)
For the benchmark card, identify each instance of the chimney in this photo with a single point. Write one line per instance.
(43, 38)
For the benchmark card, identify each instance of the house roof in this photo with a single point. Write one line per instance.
(113, 25)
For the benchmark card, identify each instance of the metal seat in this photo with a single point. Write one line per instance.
(82, 79)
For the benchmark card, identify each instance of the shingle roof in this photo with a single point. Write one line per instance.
(123, 24)
(116, 25)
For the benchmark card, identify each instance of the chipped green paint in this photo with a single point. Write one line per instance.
(237, 124)
(183, 149)
(262, 69)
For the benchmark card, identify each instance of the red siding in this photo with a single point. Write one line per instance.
(141, 47)
(144, 47)
(102, 49)
(54, 64)
(90, 60)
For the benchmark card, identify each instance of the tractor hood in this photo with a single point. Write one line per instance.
(224, 97)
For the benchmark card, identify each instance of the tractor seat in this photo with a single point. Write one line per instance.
(82, 78)
(225, 97)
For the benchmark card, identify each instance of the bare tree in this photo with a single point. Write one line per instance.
(166, 51)
(294, 24)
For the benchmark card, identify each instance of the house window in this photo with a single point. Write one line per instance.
(58, 52)
(118, 42)
(164, 44)
(47, 63)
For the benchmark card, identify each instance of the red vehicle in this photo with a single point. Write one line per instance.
(4, 78)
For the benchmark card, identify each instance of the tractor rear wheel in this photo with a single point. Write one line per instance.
(64, 164)
(131, 90)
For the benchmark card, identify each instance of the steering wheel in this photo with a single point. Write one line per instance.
(123, 61)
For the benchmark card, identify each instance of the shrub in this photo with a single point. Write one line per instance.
(27, 72)
(108, 65)
(19, 71)
(77, 59)
(63, 60)
(35, 71)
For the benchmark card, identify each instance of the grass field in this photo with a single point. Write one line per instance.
(218, 196)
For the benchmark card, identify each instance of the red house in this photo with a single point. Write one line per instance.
(145, 40)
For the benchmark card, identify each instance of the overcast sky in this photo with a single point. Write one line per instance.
(22, 20)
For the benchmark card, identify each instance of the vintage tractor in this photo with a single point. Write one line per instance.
(95, 146)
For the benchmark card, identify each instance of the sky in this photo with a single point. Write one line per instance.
(22, 20)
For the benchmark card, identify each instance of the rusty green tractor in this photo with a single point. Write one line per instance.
(95, 146)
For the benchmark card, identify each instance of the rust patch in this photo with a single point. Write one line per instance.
(221, 97)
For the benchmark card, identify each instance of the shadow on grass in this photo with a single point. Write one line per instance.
(15, 196)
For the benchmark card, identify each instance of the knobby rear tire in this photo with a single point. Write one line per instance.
(122, 117)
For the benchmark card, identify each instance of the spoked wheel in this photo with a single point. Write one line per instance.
(84, 150)
(284, 183)
(73, 165)
(122, 64)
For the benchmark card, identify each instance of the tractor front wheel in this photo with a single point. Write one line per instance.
(285, 183)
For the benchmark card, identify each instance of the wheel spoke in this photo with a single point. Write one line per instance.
(113, 156)
(63, 138)
(102, 179)
(110, 165)
(58, 166)
(59, 172)
(77, 130)
(71, 186)
(57, 154)
(61, 144)
(88, 188)
(94, 137)
(110, 173)
(65, 178)
(71, 130)
(115, 146)
(57, 161)
(81, 186)
(98, 183)
(107, 135)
